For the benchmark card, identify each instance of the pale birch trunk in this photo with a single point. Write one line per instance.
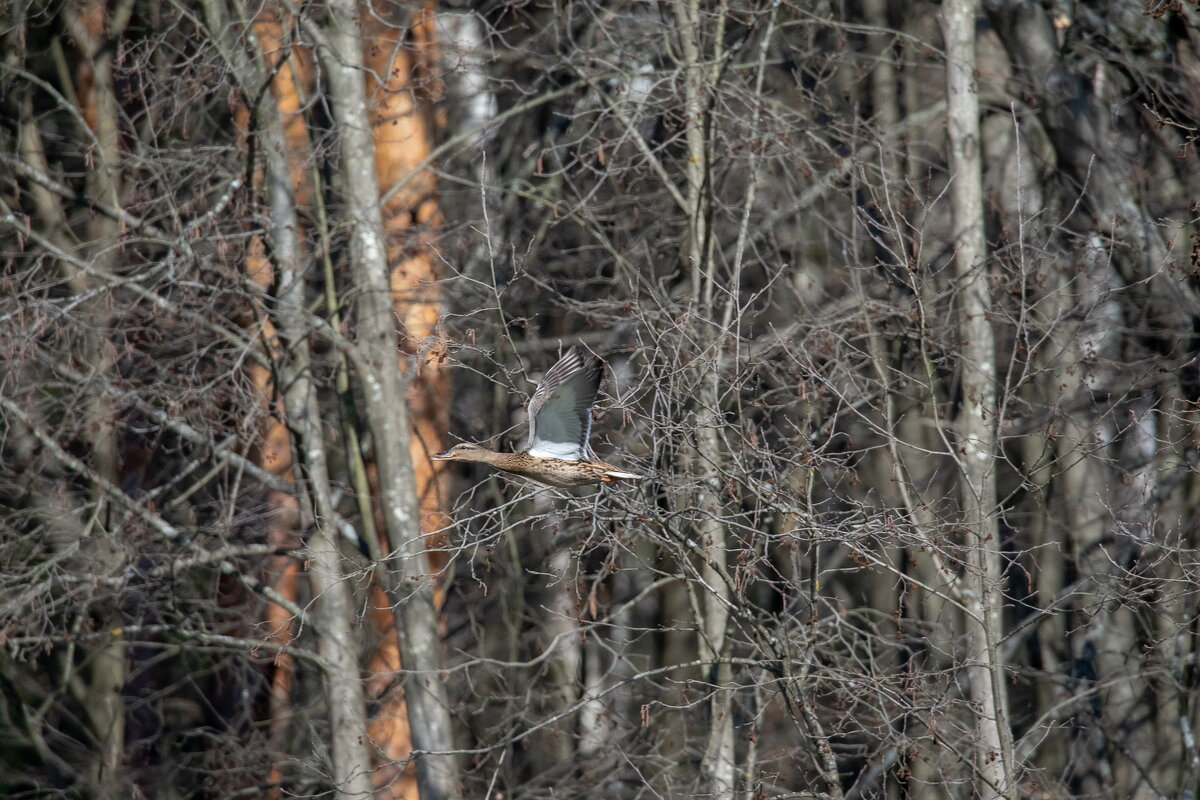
(976, 445)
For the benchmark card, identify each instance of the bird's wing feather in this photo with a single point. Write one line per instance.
(560, 411)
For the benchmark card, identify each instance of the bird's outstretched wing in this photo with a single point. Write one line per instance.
(560, 411)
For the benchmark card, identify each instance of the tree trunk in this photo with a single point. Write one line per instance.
(93, 28)
(976, 435)
(406, 573)
(284, 127)
(718, 764)
(401, 81)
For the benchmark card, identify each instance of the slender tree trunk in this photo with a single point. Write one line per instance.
(286, 129)
(333, 611)
(977, 418)
(560, 626)
(885, 108)
(283, 129)
(401, 82)
(93, 28)
(718, 763)
(406, 573)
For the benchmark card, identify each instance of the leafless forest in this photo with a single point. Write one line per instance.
(900, 310)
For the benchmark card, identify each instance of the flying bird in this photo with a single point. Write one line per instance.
(560, 423)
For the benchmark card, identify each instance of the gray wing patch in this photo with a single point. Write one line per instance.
(560, 411)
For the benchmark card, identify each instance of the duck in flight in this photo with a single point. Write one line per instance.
(560, 423)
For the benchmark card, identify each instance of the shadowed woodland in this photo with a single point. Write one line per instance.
(899, 310)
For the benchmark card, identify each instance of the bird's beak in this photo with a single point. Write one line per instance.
(443, 456)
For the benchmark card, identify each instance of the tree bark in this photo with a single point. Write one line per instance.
(93, 28)
(283, 126)
(405, 573)
(333, 609)
(976, 432)
(401, 82)
(718, 764)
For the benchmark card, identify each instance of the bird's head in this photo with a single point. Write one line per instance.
(463, 452)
